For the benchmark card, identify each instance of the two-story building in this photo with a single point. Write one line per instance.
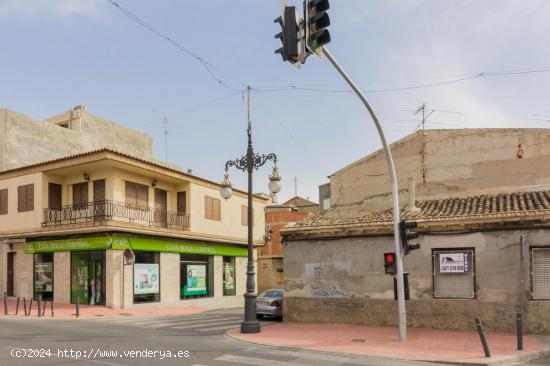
(65, 225)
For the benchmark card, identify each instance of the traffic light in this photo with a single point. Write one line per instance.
(407, 235)
(316, 20)
(289, 34)
(390, 264)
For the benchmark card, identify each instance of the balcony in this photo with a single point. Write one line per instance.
(114, 211)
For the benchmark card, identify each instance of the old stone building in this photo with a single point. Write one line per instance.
(478, 193)
(270, 256)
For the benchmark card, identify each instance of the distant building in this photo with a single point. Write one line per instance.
(479, 191)
(270, 256)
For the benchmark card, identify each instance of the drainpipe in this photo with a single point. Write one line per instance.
(411, 205)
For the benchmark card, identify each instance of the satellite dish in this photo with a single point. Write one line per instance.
(129, 257)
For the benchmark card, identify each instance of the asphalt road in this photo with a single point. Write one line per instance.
(194, 340)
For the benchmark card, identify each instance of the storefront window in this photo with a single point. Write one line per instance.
(229, 288)
(43, 276)
(146, 277)
(196, 277)
(88, 277)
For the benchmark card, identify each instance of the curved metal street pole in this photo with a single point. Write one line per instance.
(394, 191)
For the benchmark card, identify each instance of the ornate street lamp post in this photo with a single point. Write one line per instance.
(248, 163)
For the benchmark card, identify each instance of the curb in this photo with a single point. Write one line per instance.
(511, 360)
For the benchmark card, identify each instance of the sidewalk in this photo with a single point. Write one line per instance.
(68, 311)
(457, 347)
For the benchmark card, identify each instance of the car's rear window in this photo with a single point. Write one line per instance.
(273, 294)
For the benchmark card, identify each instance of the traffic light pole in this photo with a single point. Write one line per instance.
(395, 198)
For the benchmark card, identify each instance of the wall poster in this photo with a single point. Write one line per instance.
(146, 278)
(195, 280)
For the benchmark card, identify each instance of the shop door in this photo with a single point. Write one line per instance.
(10, 274)
(88, 277)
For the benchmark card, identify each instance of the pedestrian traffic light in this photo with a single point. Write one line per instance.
(390, 264)
(316, 20)
(407, 235)
(289, 34)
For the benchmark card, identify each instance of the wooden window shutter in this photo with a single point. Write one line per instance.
(21, 198)
(244, 215)
(54, 196)
(99, 190)
(3, 201)
(130, 193)
(208, 208)
(80, 193)
(216, 209)
(142, 196)
(30, 197)
(181, 202)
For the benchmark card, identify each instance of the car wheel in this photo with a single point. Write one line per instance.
(259, 316)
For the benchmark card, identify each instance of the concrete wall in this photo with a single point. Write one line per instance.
(25, 140)
(350, 286)
(446, 162)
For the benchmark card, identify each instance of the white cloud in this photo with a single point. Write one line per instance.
(48, 8)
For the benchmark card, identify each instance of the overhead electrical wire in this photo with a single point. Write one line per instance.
(469, 77)
(210, 68)
(204, 63)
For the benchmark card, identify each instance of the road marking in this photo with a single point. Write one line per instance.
(196, 325)
(182, 321)
(201, 321)
(256, 361)
(229, 326)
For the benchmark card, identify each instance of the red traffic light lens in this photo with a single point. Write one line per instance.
(389, 258)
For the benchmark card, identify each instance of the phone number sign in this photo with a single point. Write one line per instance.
(454, 262)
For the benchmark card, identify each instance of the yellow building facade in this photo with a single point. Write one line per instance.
(106, 228)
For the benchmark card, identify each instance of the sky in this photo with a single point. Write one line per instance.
(483, 63)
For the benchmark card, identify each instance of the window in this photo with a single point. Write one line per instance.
(181, 202)
(137, 195)
(540, 273)
(212, 208)
(43, 276)
(146, 277)
(229, 288)
(244, 215)
(453, 273)
(25, 198)
(196, 279)
(54, 196)
(80, 195)
(3, 201)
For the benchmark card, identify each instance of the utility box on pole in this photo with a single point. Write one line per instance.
(405, 285)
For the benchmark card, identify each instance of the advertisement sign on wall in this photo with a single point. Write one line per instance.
(146, 278)
(196, 280)
(228, 276)
(43, 277)
(454, 262)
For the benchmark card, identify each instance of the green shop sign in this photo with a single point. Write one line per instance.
(153, 245)
(121, 243)
(65, 245)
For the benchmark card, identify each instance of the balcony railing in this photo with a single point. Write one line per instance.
(116, 211)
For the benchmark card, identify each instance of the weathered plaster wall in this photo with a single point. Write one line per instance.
(25, 140)
(343, 280)
(445, 162)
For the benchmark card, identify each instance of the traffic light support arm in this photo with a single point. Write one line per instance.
(395, 198)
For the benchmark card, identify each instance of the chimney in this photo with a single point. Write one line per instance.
(411, 205)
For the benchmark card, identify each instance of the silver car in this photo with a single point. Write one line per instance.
(270, 302)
